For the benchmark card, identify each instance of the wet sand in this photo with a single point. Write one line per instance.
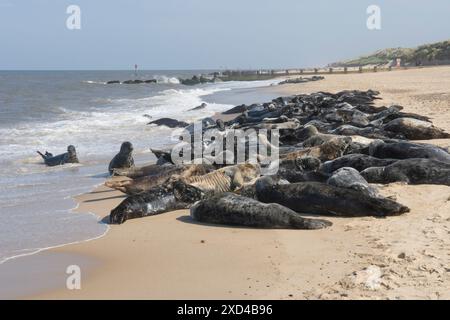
(171, 257)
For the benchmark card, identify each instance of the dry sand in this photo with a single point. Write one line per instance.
(169, 256)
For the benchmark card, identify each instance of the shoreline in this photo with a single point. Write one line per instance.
(163, 257)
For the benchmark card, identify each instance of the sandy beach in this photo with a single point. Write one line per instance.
(171, 257)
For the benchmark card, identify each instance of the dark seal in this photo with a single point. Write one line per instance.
(323, 199)
(412, 171)
(69, 157)
(235, 210)
(158, 200)
(124, 159)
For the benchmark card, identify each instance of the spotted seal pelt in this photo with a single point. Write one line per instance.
(368, 132)
(235, 210)
(158, 200)
(407, 150)
(351, 178)
(324, 199)
(161, 176)
(69, 157)
(411, 171)
(329, 150)
(124, 159)
(415, 129)
(357, 161)
(138, 185)
(322, 138)
(225, 179)
(353, 117)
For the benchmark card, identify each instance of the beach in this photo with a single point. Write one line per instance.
(169, 256)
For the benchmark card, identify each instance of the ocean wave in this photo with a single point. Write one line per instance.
(166, 79)
(101, 129)
(93, 82)
(97, 132)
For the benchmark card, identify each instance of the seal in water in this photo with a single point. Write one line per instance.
(124, 159)
(231, 209)
(407, 150)
(158, 200)
(202, 106)
(412, 171)
(69, 157)
(323, 199)
(171, 123)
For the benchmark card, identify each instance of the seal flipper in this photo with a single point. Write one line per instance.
(309, 224)
(44, 156)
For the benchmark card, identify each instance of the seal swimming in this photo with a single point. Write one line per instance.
(235, 210)
(69, 157)
(411, 171)
(124, 159)
(168, 122)
(323, 199)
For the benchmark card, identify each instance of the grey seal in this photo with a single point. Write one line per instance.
(412, 171)
(323, 199)
(407, 150)
(351, 178)
(69, 157)
(357, 161)
(158, 200)
(415, 129)
(235, 210)
(124, 159)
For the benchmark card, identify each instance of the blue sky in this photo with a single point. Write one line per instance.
(209, 34)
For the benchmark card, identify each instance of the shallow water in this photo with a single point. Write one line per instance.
(51, 110)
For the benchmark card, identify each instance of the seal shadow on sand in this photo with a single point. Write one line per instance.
(187, 219)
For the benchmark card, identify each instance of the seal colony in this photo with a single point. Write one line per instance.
(332, 146)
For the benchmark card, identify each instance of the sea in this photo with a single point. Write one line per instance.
(49, 110)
